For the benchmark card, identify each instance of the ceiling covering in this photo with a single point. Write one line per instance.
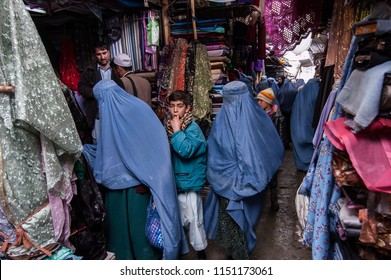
(82, 6)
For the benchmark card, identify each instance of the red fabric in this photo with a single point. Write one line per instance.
(68, 68)
(180, 77)
(369, 150)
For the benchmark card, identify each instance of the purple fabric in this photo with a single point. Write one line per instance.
(258, 65)
(288, 21)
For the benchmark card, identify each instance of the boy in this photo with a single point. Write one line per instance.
(189, 160)
(265, 99)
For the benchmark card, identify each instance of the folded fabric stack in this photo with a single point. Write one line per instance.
(348, 218)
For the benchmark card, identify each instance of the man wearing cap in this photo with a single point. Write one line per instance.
(265, 99)
(100, 70)
(134, 84)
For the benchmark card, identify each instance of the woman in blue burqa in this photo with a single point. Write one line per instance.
(132, 160)
(302, 131)
(244, 151)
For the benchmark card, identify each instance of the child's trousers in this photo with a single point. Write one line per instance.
(192, 217)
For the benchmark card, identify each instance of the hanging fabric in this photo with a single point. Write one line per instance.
(39, 140)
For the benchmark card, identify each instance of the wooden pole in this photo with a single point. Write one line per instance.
(166, 24)
(193, 19)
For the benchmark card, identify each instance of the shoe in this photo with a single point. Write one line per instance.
(201, 255)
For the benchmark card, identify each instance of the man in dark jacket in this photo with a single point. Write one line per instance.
(95, 72)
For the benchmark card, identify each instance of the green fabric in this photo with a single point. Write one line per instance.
(125, 224)
(61, 254)
(79, 170)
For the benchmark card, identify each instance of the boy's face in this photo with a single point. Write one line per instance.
(178, 108)
(263, 104)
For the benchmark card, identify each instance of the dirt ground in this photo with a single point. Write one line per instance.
(276, 231)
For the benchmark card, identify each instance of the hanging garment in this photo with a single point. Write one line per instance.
(369, 151)
(68, 68)
(294, 19)
(39, 139)
(153, 32)
(320, 184)
(244, 152)
(202, 106)
(360, 96)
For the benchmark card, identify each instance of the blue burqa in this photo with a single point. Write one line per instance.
(302, 131)
(132, 148)
(286, 96)
(244, 151)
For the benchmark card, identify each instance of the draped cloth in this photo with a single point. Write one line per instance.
(360, 97)
(244, 152)
(369, 151)
(202, 107)
(288, 21)
(187, 67)
(344, 16)
(319, 182)
(132, 148)
(302, 131)
(39, 140)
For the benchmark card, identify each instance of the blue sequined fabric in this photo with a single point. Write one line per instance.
(153, 229)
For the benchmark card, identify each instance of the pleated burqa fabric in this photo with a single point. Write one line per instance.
(302, 117)
(244, 152)
(39, 140)
(133, 149)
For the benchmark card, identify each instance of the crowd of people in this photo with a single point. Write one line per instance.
(137, 158)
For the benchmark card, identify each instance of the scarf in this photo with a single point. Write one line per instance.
(185, 121)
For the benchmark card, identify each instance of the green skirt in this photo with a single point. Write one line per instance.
(125, 225)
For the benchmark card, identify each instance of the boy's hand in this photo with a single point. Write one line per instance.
(176, 123)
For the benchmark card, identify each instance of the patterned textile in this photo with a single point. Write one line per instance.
(190, 65)
(38, 137)
(288, 21)
(180, 75)
(185, 121)
(229, 234)
(177, 69)
(320, 183)
(338, 46)
(202, 106)
(187, 67)
(166, 69)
